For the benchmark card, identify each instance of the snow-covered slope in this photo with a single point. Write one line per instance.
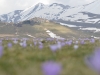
(25, 14)
(88, 13)
(40, 10)
(93, 7)
(44, 11)
(11, 17)
(84, 17)
(70, 11)
(85, 13)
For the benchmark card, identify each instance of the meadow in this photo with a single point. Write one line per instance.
(18, 59)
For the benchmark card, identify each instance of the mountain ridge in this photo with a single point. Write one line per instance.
(55, 11)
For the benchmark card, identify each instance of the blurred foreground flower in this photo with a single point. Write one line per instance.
(82, 42)
(0, 42)
(93, 61)
(68, 43)
(1, 51)
(92, 40)
(55, 47)
(51, 68)
(40, 46)
(35, 43)
(9, 45)
(24, 44)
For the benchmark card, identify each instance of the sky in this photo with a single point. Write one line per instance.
(7, 6)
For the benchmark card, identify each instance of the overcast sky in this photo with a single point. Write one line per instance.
(11, 5)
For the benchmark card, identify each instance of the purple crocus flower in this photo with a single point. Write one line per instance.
(82, 42)
(93, 61)
(0, 41)
(40, 43)
(40, 46)
(15, 42)
(49, 39)
(63, 44)
(86, 38)
(6, 38)
(24, 44)
(35, 43)
(68, 43)
(58, 42)
(92, 40)
(51, 68)
(53, 48)
(9, 45)
(1, 51)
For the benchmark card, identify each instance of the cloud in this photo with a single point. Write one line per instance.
(11, 5)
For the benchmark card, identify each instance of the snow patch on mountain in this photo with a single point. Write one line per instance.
(91, 29)
(30, 35)
(69, 25)
(52, 35)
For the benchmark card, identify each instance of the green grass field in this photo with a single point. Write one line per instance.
(27, 61)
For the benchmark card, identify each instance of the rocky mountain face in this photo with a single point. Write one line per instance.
(33, 21)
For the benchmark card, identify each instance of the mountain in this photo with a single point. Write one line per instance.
(40, 10)
(93, 7)
(87, 13)
(11, 17)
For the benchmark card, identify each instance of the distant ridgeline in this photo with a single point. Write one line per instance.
(33, 21)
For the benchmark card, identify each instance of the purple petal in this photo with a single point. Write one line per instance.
(51, 68)
(93, 61)
(1, 51)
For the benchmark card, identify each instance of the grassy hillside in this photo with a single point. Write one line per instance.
(7, 30)
(37, 30)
